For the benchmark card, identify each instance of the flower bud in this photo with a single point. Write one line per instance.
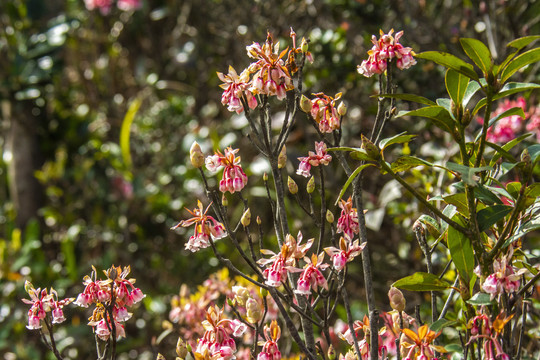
(282, 158)
(246, 218)
(310, 185)
(160, 357)
(342, 109)
(304, 45)
(259, 221)
(331, 353)
(293, 188)
(253, 311)
(265, 177)
(196, 155)
(305, 104)
(329, 216)
(181, 349)
(241, 294)
(397, 300)
(224, 200)
(263, 292)
(371, 149)
(466, 118)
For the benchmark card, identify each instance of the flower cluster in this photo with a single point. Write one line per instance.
(320, 156)
(362, 332)
(384, 50)
(205, 226)
(105, 6)
(505, 278)
(508, 128)
(42, 303)
(483, 329)
(348, 220)
(234, 178)
(347, 252)
(326, 112)
(270, 350)
(235, 86)
(111, 297)
(419, 344)
(311, 277)
(217, 343)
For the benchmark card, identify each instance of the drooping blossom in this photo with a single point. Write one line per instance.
(419, 344)
(279, 264)
(104, 6)
(488, 333)
(42, 303)
(386, 48)
(216, 342)
(270, 350)
(362, 332)
(234, 178)
(236, 86)
(347, 252)
(117, 291)
(324, 110)
(505, 277)
(205, 226)
(320, 156)
(271, 76)
(311, 277)
(128, 5)
(348, 220)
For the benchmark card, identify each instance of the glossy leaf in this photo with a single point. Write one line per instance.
(510, 112)
(459, 200)
(478, 53)
(467, 173)
(397, 139)
(479, 299)
(523, 41)
(361, 154)
(481, 192)
(447, 104)
(472, 88)
(350, 180)
(461, 250)
(534, 152)
(408, 97)
(508, 89)
(500, 151)
(520, 61)
(509, 145)
(440, 324)
(421, 281)
(456, 85)
(437, 114)
(431, 225)
(450, 61)
(489, 216)
(405, 163)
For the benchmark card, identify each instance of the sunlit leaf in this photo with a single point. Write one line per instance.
(421, 281)
(397, 139)
(408, 97)
(405, 163)
(456, 85)
(523, 41)
(520, 61)
(468, 174)
(438, 114)
(472, 88)
(461, 250)
(431, 225)
(459, 200)
(450, 61)
(350, 180)
(478, 53)
(479, 299)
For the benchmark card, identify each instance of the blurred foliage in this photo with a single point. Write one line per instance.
(76, 73)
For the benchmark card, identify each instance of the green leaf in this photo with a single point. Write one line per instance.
(481, 192)
(421, 281)
(523, 41)
(478, 53)
(519, 62)
(501, 152)
(408, 97)
(405, 163)
(534, 152)
(360, 154)
(489, 216)
(472, 88)
(456, 85)
(431, 225)
(350, 179)
(459, 200)
(125, 132)
(440, 324)
(508, 89)
(479, 299)
(461, 250)
(450, 61)
(447, 104)
(521, 231)
(509, 145)
(437, 114)
(397, 139)
(467, 173)
(510, 112)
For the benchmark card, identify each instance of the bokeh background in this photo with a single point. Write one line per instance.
(71, 197)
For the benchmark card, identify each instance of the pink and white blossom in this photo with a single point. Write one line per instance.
(320, 156)
(236, 88)
(234, 179)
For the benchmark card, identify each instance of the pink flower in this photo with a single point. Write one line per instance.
(348, 220)
(205, 226)
(346, 253)
(216, 342)
(324, 110)
(42, 302)
(505, 278)
(235, 88)
(312, 277)
(270, 350)
(507, 128)
(234, 178)
(127, 5)
(271, 76)
(104, 6)
(238, 328)
(313, 159)
(383, 50)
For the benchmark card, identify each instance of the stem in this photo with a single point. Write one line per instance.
(482, 146)
(52, 345)
(420, 236)
(345, 297)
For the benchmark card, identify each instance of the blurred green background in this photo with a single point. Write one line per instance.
(73, 195)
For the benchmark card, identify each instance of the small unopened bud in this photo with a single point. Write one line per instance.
(371, 149)
(259, 221)
(263, 292)
(466, 118)
(224, 200)
(282, 158)
(329, 216)
(331, 353)
(160, 357)
(265, 177)
(304, 45)
(526, 157)
(181, 349)
(397, 300)
(305, 104)
(241, 294)
(246, 218)
(342, 109)
(253, 311)
(310, 185)
(113, 273)
(293, 188)
(196, 155)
